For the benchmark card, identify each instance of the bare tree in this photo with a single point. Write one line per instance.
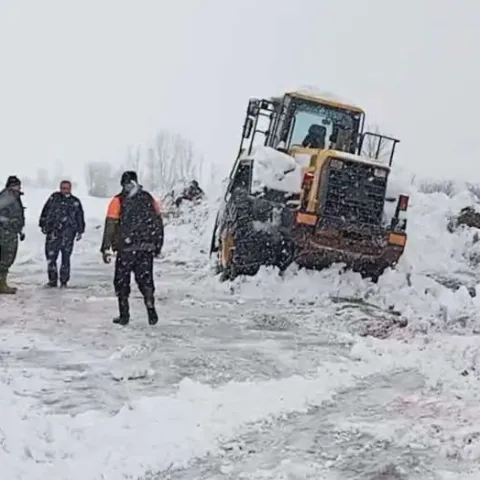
(447, 187)
(376, 147)
(171, 160)
(164, 164)
(133, 158)
(152, 170)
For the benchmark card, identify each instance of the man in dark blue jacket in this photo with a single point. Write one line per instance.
(62, 221)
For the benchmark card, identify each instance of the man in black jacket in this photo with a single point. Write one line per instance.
(134, 229)
(62, 221)
(12, 222)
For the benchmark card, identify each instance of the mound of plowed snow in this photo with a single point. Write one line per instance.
(436, 278)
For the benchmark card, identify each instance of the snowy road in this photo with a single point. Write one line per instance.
(262, 379)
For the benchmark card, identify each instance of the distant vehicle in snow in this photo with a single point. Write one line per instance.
(309, 186)
(192, 193)
(175, 199)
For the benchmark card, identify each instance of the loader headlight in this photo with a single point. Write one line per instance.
(380, 172)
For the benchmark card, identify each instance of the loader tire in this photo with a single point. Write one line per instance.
(238, 239)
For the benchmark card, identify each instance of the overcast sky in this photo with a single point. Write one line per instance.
(80, 80)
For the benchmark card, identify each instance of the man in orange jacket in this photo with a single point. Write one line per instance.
(133, 229)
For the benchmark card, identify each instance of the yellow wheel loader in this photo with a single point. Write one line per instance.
(309, 186)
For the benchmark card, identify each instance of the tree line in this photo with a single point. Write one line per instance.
(169, 161)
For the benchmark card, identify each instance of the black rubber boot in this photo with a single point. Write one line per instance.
(124, 311)
(152, 316)
(151, 312)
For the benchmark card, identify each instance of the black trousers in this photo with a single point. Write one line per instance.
(141, 264)
(55, 244)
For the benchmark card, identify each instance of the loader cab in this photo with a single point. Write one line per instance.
(310, 123)
(301, 121)
(340, 124)
(316, 123)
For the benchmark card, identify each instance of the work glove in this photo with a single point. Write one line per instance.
(79, 236)
(106, 257)
(21, 236)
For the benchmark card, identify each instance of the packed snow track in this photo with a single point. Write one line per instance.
(318, 375)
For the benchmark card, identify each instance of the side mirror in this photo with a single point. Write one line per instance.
(247, 127)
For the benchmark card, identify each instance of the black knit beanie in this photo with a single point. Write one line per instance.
(128, 177)
(13, 181)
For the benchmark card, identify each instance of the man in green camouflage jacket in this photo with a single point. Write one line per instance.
(12, 223)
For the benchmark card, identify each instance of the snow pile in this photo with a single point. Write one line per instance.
(276, 170)
(316, 92)
(424, 286)
(188, 234)
(449, 365)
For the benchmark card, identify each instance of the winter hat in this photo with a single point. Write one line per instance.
(13, 181)
(128, 177)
